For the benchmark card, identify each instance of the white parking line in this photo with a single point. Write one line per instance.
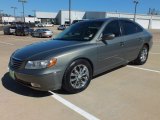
(6, 43)
(156, 71)
(85, 114)
(157, 45)
(154, 53)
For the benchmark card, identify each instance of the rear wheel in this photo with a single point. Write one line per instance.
(143, 56)
(77, 76)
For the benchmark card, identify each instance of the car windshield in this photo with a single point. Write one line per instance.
(45, 30)
(82, 31)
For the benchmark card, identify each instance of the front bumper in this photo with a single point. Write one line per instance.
(42, 82)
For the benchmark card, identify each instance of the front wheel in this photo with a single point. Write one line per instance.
(77, 76)
(143, 56)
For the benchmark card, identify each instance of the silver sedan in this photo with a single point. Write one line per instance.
(79, 53)
(42, 33)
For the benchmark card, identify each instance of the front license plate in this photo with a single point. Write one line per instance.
(12, 74)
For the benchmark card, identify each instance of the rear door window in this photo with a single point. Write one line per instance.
(113, 27)
(129, 28)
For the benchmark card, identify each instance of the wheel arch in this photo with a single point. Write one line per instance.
(147, 45)
(82, 58)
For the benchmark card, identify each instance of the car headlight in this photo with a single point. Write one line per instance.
(40, 64)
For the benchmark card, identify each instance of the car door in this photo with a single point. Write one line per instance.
(36, 33)
(133, 37)
(110, 52)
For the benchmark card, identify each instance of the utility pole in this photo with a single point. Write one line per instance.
(1, 16)
(1, 12)
(14, 10)
(23, 1)
(34, 15)
(69, 12)
(135, 12)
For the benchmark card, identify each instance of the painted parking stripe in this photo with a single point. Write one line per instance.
(156, 71)
(85, 114)
(6, 43)
(154, 53)
(157, 45)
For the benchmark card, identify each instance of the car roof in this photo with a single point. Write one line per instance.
(106, 19)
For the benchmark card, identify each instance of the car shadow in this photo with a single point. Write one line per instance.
(15, 87)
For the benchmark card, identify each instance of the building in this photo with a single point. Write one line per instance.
(147, 21)
(46, 17)
(8, 19)
(19, 19)
(63, 16)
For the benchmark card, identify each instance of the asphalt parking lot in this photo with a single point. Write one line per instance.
(126, 93)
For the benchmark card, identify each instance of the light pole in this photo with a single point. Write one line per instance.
(135, 12)
(1, 12)
(23, 1)
(69, 12)
(1, 16)
(14, 10)
(34, 15)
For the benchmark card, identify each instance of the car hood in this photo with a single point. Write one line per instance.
(42, 48)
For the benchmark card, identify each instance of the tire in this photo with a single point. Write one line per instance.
(143, 56)
(40, 35)
(74, 81)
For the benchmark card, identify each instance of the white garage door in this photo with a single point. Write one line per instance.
(155, 24)
(143, 23)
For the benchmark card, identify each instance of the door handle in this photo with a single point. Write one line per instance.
(122, 44)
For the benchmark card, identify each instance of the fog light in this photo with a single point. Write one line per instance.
(35, 85)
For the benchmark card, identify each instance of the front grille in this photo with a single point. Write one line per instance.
(15, 63)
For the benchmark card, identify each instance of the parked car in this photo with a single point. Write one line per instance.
(31, 31)
(61, 27)
(48, 24)
(80, 52)
(44, 25)
(22, 31)
(75, 21)
(9, 30)
(40, 25)
(42, 33)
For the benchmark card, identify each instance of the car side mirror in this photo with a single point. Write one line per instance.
(109, 36)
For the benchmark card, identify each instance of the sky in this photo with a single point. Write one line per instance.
(125, 6)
